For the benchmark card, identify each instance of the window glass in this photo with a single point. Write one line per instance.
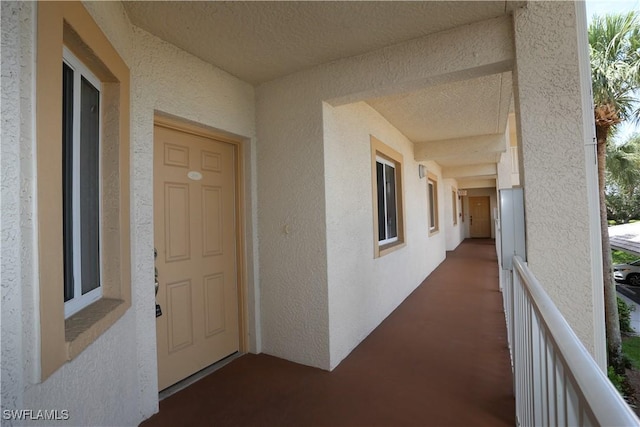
(80, 184)
(382, 234)
(89, 185)
(67, 178)
(387, 203)
(432, 190)
(454, 205)
(432, 210)
(390, 197)
(388, 208)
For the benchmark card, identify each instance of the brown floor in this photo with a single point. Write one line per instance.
(440, 359)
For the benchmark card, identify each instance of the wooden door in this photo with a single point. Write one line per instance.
(479, 217)
(195, 236)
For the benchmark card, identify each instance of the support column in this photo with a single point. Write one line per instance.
(552, 111)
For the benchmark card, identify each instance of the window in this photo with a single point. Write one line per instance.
(454, 206)
(387, 203)
(81, 184)
(432, 183)
(82, 128)
(387, 198)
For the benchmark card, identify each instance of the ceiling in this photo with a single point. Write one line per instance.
(261, 41)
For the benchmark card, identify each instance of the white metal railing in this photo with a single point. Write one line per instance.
(556, 381)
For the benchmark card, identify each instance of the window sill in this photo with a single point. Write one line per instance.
(433, 232)
(390, 247)
(88, 324)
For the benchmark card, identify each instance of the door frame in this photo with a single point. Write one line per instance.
(488, 212)
(239, 176)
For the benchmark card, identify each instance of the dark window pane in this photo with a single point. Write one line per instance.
(390, 184)
(67, 178)
(89, 185)
(381, 215)
(432, 208)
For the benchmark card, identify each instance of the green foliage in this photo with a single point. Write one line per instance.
(614, 42)
(631, 350)
(616, 379)
(622, 257)
(622, 190)
(624, 313)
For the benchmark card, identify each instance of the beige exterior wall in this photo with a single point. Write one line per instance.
(294, 199)
(363, 290)
(119, 369)
(454, 233)
(309, 125)
(550, 111)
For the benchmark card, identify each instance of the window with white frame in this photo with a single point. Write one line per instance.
(387, 203)
(83, 151)
(81, 111)
(432, 183)
(454, 206)
(388, 216)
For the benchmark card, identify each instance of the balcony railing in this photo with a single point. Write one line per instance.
(556, 381)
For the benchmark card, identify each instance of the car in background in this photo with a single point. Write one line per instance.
(629, 273)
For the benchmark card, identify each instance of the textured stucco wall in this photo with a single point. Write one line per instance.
(16, 202)
(363, 290)
(114, 381)
(504, 179)
(454, 234)
(550, 111)
(291, 159)
(293, 272)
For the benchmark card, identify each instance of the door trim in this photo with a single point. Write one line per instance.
(237, 143)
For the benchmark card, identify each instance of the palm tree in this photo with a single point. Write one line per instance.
(623, 180)
(615, 74)
(623, 164)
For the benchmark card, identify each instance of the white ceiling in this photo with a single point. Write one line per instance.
(447, 111)
(262, 41)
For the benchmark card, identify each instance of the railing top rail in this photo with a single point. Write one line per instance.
(601, 396)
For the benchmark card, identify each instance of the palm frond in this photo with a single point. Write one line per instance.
(615, 67)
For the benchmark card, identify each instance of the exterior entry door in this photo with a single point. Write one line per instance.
(479, 217)
(195, 238)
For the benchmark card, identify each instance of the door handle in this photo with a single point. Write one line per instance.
(157, 283)
(470, 220)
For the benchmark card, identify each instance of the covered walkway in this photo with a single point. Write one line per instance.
(440, 359)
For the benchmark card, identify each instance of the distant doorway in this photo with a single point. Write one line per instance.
(479, 217)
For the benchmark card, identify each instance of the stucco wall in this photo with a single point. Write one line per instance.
(16, 202)
(363, 290)
(549, 102)
(291, 158)
(454, 233)
(114, 381)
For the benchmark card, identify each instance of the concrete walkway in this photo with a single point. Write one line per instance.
(440, 359)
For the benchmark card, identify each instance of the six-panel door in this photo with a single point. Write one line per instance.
(195, 235)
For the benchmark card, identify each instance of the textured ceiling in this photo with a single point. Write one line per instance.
(261, 41)
(455, 110)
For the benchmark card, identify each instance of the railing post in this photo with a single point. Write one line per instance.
(556, 380)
